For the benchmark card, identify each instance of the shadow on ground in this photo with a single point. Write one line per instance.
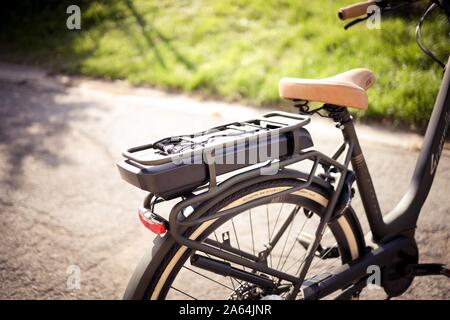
(31, 129)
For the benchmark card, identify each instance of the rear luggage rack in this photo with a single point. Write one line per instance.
(178, 165)
(154, 168)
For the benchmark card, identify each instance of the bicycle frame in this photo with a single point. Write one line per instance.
(402, 219)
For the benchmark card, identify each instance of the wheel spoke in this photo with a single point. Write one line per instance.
(278, 217)
(268, 234)
(235, 234)
(251, 230)
(232, 283)
(299, 260)
(285, 242)
(328, 265)
(324, 255)
(301, 264)
(293, 244)
(206, 277)
(182, 292)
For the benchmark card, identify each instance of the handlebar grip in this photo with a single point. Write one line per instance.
(355, 10)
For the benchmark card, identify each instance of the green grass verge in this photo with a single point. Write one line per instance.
(236, 50)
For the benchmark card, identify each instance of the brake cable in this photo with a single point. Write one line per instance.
(419, 39)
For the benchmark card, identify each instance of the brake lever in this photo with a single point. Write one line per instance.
(356, 21)
(384, 6)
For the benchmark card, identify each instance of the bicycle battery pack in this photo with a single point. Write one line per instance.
(178, 165)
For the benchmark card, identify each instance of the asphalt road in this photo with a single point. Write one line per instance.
(64, 210)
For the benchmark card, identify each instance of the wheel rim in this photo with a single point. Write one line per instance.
(261, 223)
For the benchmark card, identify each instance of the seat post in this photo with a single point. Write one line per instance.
(363, 178)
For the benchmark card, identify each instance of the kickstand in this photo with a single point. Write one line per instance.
(445, 271)
(427, 269)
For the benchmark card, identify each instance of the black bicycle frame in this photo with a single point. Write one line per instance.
(399, 223)
(402, 219)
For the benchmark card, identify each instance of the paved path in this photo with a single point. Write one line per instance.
(63, 204)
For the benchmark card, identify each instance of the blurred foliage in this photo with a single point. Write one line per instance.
(236, 50)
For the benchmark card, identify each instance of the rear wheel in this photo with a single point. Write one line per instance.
(292, 218)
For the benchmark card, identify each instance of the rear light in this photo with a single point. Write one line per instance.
(153, 222)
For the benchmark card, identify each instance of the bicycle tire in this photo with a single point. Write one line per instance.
(153, 277)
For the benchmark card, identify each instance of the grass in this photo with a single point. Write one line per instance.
(236, 50)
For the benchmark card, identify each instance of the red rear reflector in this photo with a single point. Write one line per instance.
(150, 221)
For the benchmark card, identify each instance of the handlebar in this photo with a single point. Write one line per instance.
(355, 10)
(359, 11)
